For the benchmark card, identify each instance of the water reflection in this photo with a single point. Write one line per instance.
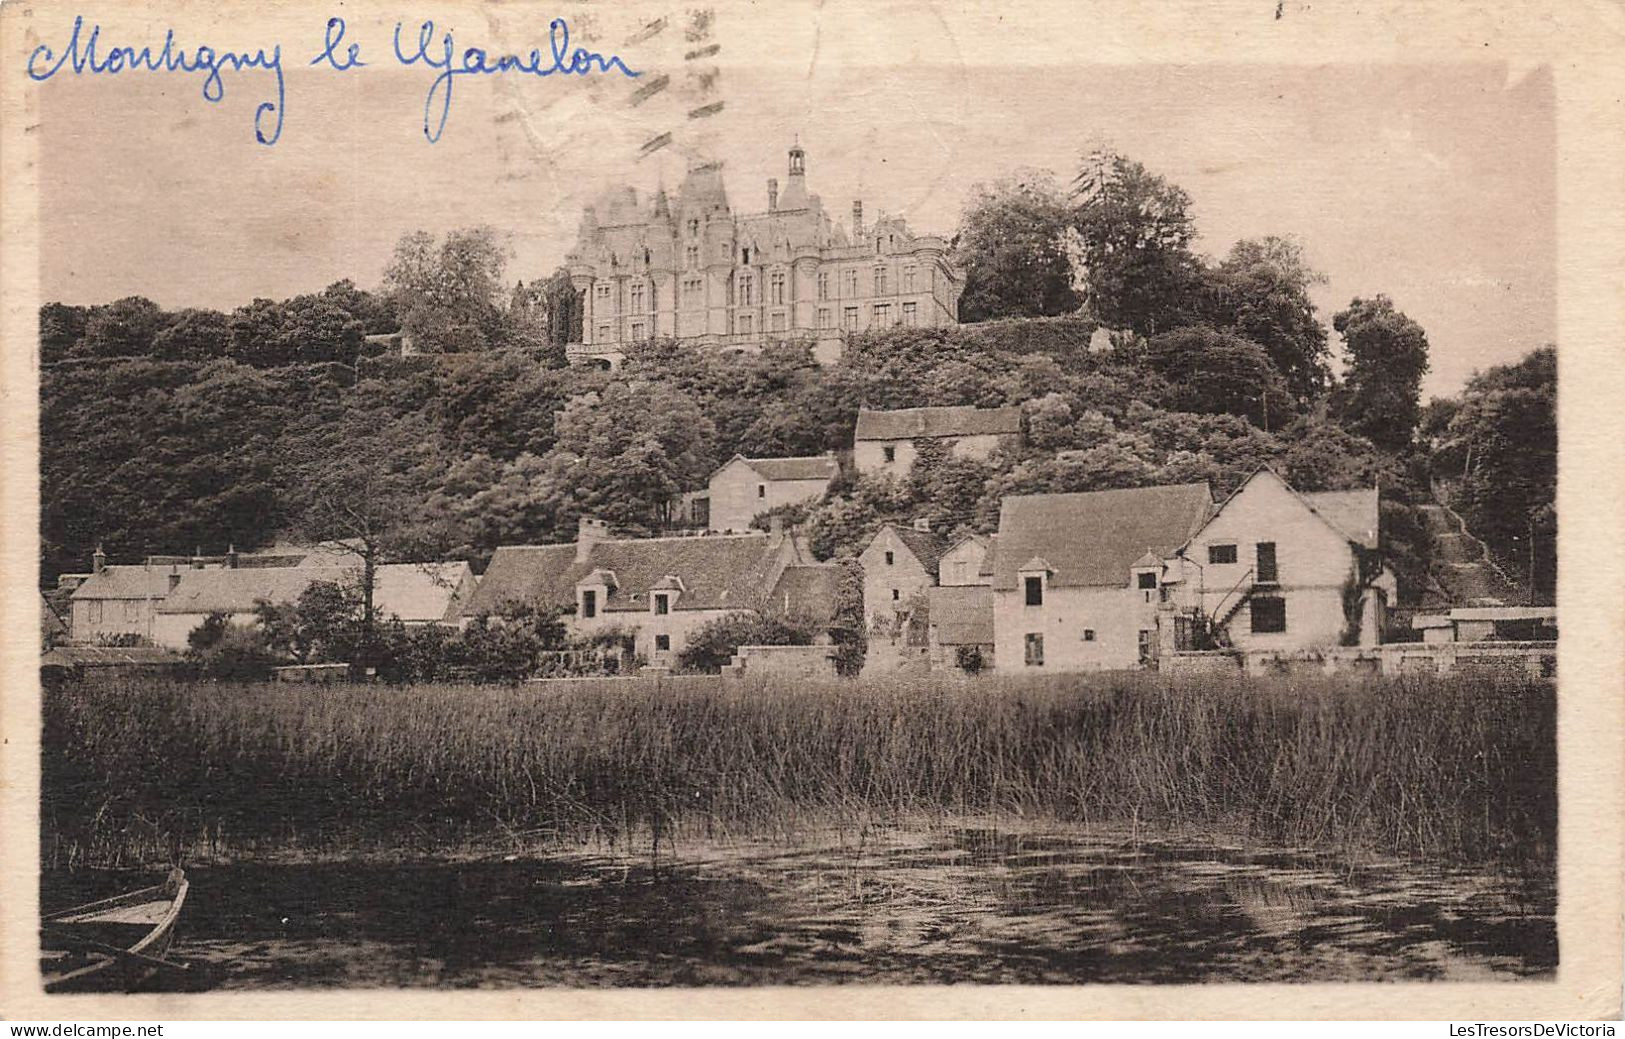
(968, 905)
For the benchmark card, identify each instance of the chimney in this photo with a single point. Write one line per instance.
(772, 194)
(589, 532)
(174, 579)
(857, 218)
(923, 525)
(231, 557)
(197, 558)
(98, 560)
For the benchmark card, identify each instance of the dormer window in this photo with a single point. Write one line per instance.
(662, 603)
(1033, 590)
(589, 602)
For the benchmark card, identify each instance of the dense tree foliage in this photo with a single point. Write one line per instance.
(1387, 357)
(1012, 248)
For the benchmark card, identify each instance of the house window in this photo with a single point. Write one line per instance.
(1266, 562)
(1034, 649)
(1145, 645)
(662, 604)
(662, 643)
(908, 279)
(910, 316)
(825, 319)
(896, 594)
(1145, 580)
(777, 284)
(778, 320)
(888, 453)
(1269, 614)
(880, 281)
(1088, 634)
(850, 318)
(890, 558)
(823, 285)
(95, 611)
(743, 324)
(882, 315)
(589, 603)
(761, 490)
(1035, 590)
(1221, 554)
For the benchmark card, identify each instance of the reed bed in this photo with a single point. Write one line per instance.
(1459, 769)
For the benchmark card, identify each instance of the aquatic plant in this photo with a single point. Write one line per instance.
(1459, 768)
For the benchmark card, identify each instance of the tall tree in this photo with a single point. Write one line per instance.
(123, 328)
(449, 294)
(1261, 291)
(1387, 356)
(1012, 247)
(61, 326)
(546, 315)
(1133, 242)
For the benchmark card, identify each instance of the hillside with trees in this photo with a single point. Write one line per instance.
(1135, 361)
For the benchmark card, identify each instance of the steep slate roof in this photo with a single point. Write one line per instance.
(909, 423)
(1093, 538)
(131, 582)
(1355, 513)
(962, 615)
(926, 546)
(811, 590)
(811, 467)
(718, 572)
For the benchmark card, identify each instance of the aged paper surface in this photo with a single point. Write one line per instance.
(956, 82)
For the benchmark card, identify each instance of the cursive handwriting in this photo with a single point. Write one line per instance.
(476, 61)
(83, 56)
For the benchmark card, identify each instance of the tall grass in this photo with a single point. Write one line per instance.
(1461, 769)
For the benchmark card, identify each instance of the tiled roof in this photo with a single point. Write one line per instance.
(717, 571)
(926, 546)
(811, 590)
(414, 592)
(813, 467)
(131, 582)
(1355, 513)
(962, 615)
(1094, 537)
(909, 423)
(420, 592)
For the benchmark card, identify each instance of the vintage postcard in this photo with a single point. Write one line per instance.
(832, 509)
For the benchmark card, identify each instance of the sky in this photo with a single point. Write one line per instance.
(1433, 184)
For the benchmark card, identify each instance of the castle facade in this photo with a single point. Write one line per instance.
(690, 267)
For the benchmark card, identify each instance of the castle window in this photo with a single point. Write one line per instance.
(637, 330)
(908, 279)
(691, 256)
(743, 324)
(603, 334)
(746, 284)
(693, 228)
(823, 285)
(910, 317)
(603, 291)
(778, 320)
(637, 298)
(882, 315)
(849, 318)
(851, 281)
(880, 281)
(825, 318)
(778, 286)
(744, 254)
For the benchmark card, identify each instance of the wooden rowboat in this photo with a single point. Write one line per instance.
(115, 944)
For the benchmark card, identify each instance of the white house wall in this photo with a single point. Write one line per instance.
(735, 501)
(1116, 615)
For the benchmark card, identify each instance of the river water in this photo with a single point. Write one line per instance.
(928, 906)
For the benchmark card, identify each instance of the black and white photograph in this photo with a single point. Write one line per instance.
(539, 498)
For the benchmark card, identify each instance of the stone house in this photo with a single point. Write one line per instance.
(654, 592)
(899, 567)
(961, 606)
(120, 600)
(415, 593)
(743, 488)
(884, 441)
(1278, 569)
(1076, 577)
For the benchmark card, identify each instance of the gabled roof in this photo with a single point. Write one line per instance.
(926, 546)
(421, 592)
(1354, 513)
(908, 423)
(131, 582)
(809, 590)
(50, 621)
(1092, 538)
(962, 615)
(719, 571)
(414, 592)
(809, 467)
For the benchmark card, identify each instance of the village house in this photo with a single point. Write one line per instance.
(960, 608)
(1076, 577)
(415, 593)
(1277, 569)
(118, 601)
(653, 592)
(693, 267)
(899, 567)
(743, 488)
(884, 441)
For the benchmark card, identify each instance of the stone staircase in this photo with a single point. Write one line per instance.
(1463, 574)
